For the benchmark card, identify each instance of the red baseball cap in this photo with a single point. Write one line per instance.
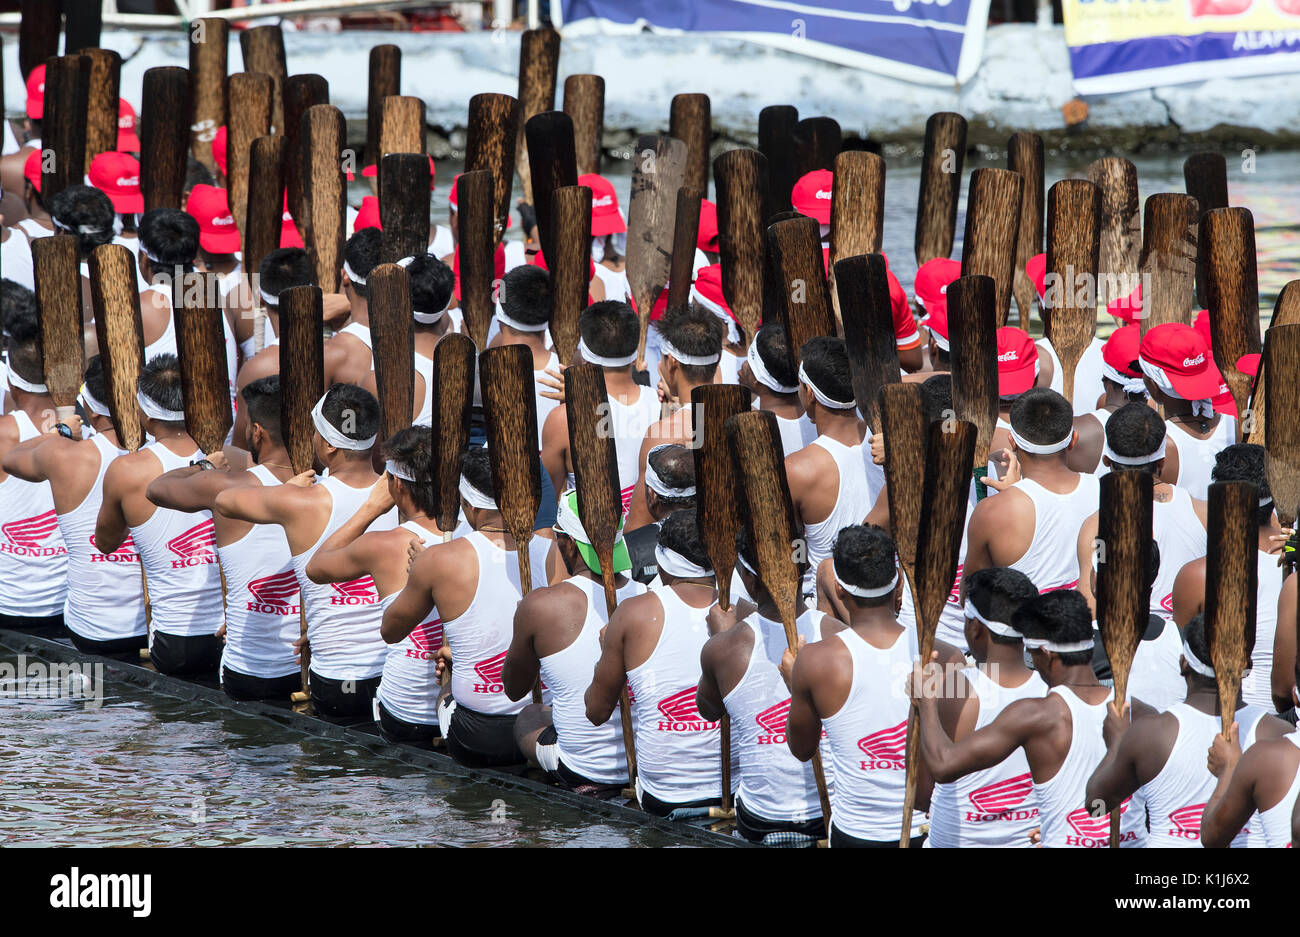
(372, 171)
(1127, 309)
(1176, 356)
(1202, 325)
(32, 169)
(1120, 354)
(707, 291)
(937, 323)
(605, 215)
(811, 195)
(707, 239)
(117, 175)
(1249, 364)
(368, 214)
(931, 283)
(210, 207)
(1222, 402)
(289, 236)
(219, 149)
(1036, 270)
(127, 140)
(36, 93)
(1017, 361)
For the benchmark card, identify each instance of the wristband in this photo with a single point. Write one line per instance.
(981, 489)
(203, 464)
(64, 430)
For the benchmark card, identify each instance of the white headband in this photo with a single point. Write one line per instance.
(1043, 644)
(156, 411)
(267, 298)
(821, 397)
(590, 356)
(399, 470)
(656, 484)
(353, 275)
(1204, 669)
(940, 340)
(504, 318)
(1024, 445)
(90, 403)
(671, 350)
(1118, 459)
(997, 627)
(745, 563)
(332, 435)
(763, 375)
(1201, 408)
(1131, 385)
(567, 520)
(475, 498)
(17, 382)
(862, 593)
(674, 564)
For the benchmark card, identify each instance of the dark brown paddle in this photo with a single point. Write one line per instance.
(902, 418)
(539, 61)
(571, 266)
(392, 330)
(322, 143)
(262, 49)
(794, 251)
(83, 20)
(584, 102)
(39, 27)
(1281, 363)
(686, 234)
(1121, 226)
(1227, 265)
(116, 301)
(1206, 179)
(817, 141)
(1231, 587)
(658, 171)
(868, 330)
(1025, 156)
(492, 128)
(58, 306)
(102, 102)
(776, 142)
(67, 89)
(992, 228)
(453, 380)
(250, 117)
(385, 81)
(402, 127)
(973, 339)
(209, 42)
(264, 219)
(690, 120)
(755, 448)
(553, 165)
(1073, 252)
(936, 208)
(474, 221)
(717, 514)
(404, 183)
(201, 349)
(741, 179)
(1286, 311)
(300, 93)
(857, 211)
(1168, 261)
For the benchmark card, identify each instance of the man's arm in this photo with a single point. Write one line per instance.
(555, 448)
(111, 529)
(1116, 777)
(414, 603)
(1189, 592)
(1087, 534)
(266, 504)
(803, 725)
(190, 488)
(1232, 804)
(26, 460)
(977, 543)
(610, 676)
(348, 554)
(520, 672)
(1283, 675)
(708, 695)
(948, 760)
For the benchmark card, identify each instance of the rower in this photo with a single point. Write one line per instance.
(347, 654)
(348, 357)
(557, 637)
(473, 581)
(177, 549)
(652, 645)
(104, 610)
(770, 372)
(1264, 780)
(262, 600)
(87, 214)
(1060, 733)
(669, 487)
(1162, 756)
(1122, 383)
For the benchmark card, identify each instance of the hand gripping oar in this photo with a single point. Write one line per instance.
(250, 118)
(102, 102)
(584, 102)
(658, 171)
(385, 80)
(1123, 553)
(1073, 251)
(817, 141)
(974, 364)
(58, 306)
(741, 177)
(67, 90)
(1227, 265)
(686, 233)
(322, 147)
(1168, 261)
(392, 329)
(1286, 311)
(539, 60)
(755, 443)
(552, 164)
(209, 42)
(868, 331)
(262, 49)
(570, 267)
(1281, 362)
(453, 381)
(776, 142)
(1206, 179)
(1025, 156)
(857, 211)
(491, 129)
(802, 298)
(600, 506)
(1231, 587)
(1121, 226)
(300, 93)
(690, 120)
(404, 205)
(992, 226)
(936, 208)
(474, 221)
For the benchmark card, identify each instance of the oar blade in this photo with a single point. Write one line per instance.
(595, 461)
(404, 181)
(741, 178)
(570, 268)
(1121, 226)
(201, 348)
(1231, 587)
(491, 130)
(1281, 370)
(1073, 253)
(58, 307)
(717, 513)
(475, 247)
(209, 45)
(799, 279)
(903, 421)
(251, 95)
(992, 228)
(302, 370)
(510, 417)
(120, 335)
(1168, 261)
(1025, 156)
(453, 399)
(944, 497)
(323, 141)
(973, 338)
(392, 330)
(776, 125)
(863, 291)
(1123, 554)
(659, 170)
(1231, 286)
(584, 102)
(941, 164)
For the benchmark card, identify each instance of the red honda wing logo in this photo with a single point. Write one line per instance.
(1087, 825)
(489, 670)
(199, 541)
(774, 718)
(626, 494)
(279, 589)
(128, 545)
(1003, 795)
(428, 637)
(32, 530)
(680, 707)
(357, 588)
(1187, 820)
(887, 744)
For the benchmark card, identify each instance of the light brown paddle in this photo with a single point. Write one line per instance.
(742, 183)
(1286, 311)
(1281, 362)
(404, 183)
(902, 419)
(686, 234)
(453, 399)
(492, 127)
(1121, 226)
(936, 208)
(717, 514)
(1206, 179)
(201, 349)
(116, 302)
(1025, 156)
(1231, 587)
(803, 304)
(1168, 261)
(992, 227)
(553, 165)
(102, 102)
(571, 266)
(474, 221)
(868, 330)
(250, 117)
(584, 102)
(776, 125)
(209, 42)
(857, 211)
(262, 49)
(402, 127)
(392, 329)
(385, 80)
(300, 93)
(690, 120)
(539, 61)
(1231, 285)
(1073, 252)
(67, 90)
(58, 306)
(264, 219)
(973, 339)
(658, 171)
(322, 145)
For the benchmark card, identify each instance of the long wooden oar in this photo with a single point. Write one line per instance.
(936, 208)
(600, 505)
(453, 400)
(491, 129)
(868, 330)
(1281, 362)
(83, 20)
(1227, 264)
(392, 330)
(164, 136)
(1286, 311)
(58, 306)
(402, 127)
(690, 120)
(322, 145)
(570, 267)
(584, 102)
(102, 102)
(1073, 252)
(300, 93)
(817, 141)
(1231, 587)
(1205, 176)
(1025, 156)
(973, 338)
(209, 42)
(552, 165)
(992, 227)
(262, 48)
(404, 182)
(539, 61)
(857, 211)
(1123, 578)
(263, 221)
(741, 177)
(201, 350)
(474, 221)
(686, 234)
(1121, 226)
(67, 90)
(803, 302)
(38, 34)
(656, 177)
(1168, 261)
(902, 418)
(776, 142)
(116, 302)
(250, 117)
(385, 80)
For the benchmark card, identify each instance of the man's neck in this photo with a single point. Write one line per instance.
(359, 312)
(1005, 660)
(676, 581)
(619, 382)
(352, 471)
(34, 405)
(785, 404)
(431, 333)
(1045, 467)
(876, 619)
(1075, 675)
(534, 340)
(843, 426)
(275, 457)
(1205, 699)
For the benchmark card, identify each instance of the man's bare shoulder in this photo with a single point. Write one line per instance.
(139, 465)
(263, 364)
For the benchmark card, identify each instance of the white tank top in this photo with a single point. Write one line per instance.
(868, 742)
(424, 368)
(774, 784)
(343, 617)
(409, 688)
(679, 754)
(1177, 796)
(179, 552)
(262, 599)
(33, 560)
(544, 404)
(1275, 822)
(952, 618)
(1181, 537)
(359, 331)
(1257, 686)
(799, 432)
(1154, 677)
(595, 752)
(105, 600)
(616, 285)
(34, 229)
(995, 806)
(1064, 819)
(854, 497)
(16, 260)
(1196, 456)
(480, 636)
(166, 342)
(629, 423)
(1052, 560)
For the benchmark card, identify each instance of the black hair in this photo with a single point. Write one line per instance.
(160, 381)
(680, 533)
(1061, 616)
(997, 592)
(172, 237)
(362, 252)
(197, 174)
(18, 311)
(526, 295)
(353, 411)
(94, 378)
(23, 340)
(675, 466)
(695, 331)
(1042, 416)
(431, 284)
(1245, 462)
(86, 213)
(413, 447)
(477, 469)
(775, 353)
(610, 328)
(936, 397)
(864, 556)
(285, 268)
(262, 400)
(1135, 431)
(826, 362)
(745, 547)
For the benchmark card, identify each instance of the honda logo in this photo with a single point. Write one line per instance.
(1186, 822)
(427, 638)
(999, 800)
(884, 749)
(356, 592)
(1093, 832)
(773, 719)
(489, 671)
(275, 595)
(32, 530)
(195, 547)
(681, 714)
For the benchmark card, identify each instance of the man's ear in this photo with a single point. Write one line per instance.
(1074, 438)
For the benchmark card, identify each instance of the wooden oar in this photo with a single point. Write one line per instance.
(552, 164)
(263, 220)
(817, 141)
(584, 102)
(1073, 252)
(39, 27)
(1123, 577)
(492, 127)
(1281, 362)
(474, 221)
(1168, 261)
(868, 330)
(453, 399)
(250, 117)
(1231, 587)
(539, 61)
(102, 102)
(322, 143)
(776, 142)
(570, 267)
(600, 505)
(67, 89)
(1227, 269)
(209, 42)
(1121, 226)
(404, 182)
(741, 177)
(658, 171)
(794, 251)
(1206, 179)
(902, 418)
(690, 120)
(716, 512)
(992, 228)
(262, 48)
(936, 207)
(1286, 311)
(201, 350)
(116, 302)
(755, 443)
(300, 93)
(402, 129)
(385, 81)
(164, 136)
(58, 306)
(392, 330)
(857, 211)
(83, 20)
(973, 338)
(1025, 156)
(686, 234)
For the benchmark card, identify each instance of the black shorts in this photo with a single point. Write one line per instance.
(570, 778)
(412, 733)
(346, 701)
(242, 686)
(754, 828)
(186, 655)
(46, 626)
(658, 808)
(479, 740)
(845, 841)
(123, 649)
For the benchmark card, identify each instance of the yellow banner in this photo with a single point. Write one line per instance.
(1088, 22)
